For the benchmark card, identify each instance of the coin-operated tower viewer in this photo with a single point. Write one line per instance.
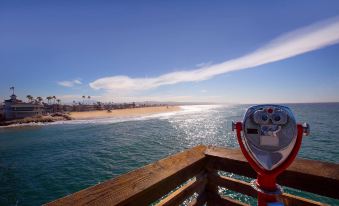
(270, 139)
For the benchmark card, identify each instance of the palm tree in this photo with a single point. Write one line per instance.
(54, 98)
(12, 88)
(84, 97)
(88, 97)
(58, 100)
(39, 99)
(49, 99)
(30, 98)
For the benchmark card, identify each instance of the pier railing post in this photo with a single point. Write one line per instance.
(211, 189)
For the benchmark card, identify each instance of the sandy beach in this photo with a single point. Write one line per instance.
(122, 112)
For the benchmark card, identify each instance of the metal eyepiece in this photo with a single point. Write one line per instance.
(261, 117)
(279, 117)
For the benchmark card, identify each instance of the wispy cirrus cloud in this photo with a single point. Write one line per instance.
(307, 39)
(71, 83)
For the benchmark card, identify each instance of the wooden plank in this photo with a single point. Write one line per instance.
(200, 200)
(223, 200)
(213, 196)
(202, 197)
(184, 192)
(229, 160)
(309, 175)
(291, 200)
(231, 202)
(233, 184)
(142, 186)
(245, 188)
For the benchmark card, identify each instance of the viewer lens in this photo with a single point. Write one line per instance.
(264, 117)
(277, 118)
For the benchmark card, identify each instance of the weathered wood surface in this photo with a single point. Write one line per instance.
(213, 196)
(148, 184)
(200, 200)
(309, 175)
(211, 190)
(184, 192)
(246, 188)
(142, 186)
(222, 201)
(229, 202)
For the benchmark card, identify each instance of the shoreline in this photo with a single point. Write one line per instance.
(35, 120)
(88, 115)
(130, 112)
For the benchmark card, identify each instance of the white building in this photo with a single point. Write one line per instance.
(17, 109)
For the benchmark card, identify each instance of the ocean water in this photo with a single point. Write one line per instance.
(41, 163)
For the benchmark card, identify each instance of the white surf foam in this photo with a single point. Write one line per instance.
(187, 109)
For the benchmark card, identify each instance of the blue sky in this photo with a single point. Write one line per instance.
(121, 50)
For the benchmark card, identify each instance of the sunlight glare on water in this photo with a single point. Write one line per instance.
(41, 163)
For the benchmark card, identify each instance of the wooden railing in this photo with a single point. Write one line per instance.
(193, 177)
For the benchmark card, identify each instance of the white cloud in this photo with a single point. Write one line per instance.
(303, 40)
(71, 83)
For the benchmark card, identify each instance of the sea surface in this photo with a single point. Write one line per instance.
(43, 162)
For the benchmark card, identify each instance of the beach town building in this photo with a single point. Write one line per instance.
(67, 108)
(53, 108)
(17, 109)
(14, 108)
